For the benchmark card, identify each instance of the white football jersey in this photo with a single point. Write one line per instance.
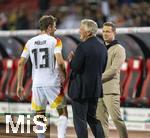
(41, 50)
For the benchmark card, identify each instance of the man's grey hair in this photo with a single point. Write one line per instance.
(90, 25)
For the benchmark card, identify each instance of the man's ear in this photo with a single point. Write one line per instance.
(49, 28)
(89, 33)
(115, 32)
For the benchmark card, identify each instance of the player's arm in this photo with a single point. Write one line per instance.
(59, 58)
(61, 63)
(21, 64)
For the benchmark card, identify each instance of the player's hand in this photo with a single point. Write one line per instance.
(20, 90)
(62, 78)
(70, 56)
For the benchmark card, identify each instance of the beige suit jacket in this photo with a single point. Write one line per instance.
(111, 76)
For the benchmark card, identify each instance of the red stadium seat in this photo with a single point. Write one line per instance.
(7, 73)
(123, 75)
(13, 83)
(144, 99)
(134, 79)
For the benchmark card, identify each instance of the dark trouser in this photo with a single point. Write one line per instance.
(84, 111)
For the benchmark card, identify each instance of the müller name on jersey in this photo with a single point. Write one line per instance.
(40, 42)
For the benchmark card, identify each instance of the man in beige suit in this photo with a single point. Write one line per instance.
(110, 103)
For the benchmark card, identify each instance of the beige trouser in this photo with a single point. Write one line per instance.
(110, 104)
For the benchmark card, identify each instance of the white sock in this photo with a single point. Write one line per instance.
(41, 135)
(62, 126)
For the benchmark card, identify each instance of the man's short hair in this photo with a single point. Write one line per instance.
(110, 24)
(90, 25)
(45, 21)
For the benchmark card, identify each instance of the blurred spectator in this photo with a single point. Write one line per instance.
(12, 19)
(43, 5)
(3, 22)
(72, 20)
(145, 21)
(22, 21)
(99, 17)
(105, 8)
(87, 13)
(137, 21)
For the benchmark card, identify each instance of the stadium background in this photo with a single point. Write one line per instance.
(132, 20)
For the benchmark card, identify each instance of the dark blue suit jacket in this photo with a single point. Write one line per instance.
(87, 66)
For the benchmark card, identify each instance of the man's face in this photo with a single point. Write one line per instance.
(108, 34)
(83, 33)
(53, 29)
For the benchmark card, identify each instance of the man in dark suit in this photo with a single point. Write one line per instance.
(85, 87)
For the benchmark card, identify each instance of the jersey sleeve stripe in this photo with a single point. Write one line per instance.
(58, 44)
(25, 49)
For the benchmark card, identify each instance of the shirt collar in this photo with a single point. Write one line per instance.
(114, 42)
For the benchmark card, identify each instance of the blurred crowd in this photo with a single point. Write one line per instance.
(25, 15)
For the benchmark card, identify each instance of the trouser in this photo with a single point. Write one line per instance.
(110, 104)
(84, 111)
